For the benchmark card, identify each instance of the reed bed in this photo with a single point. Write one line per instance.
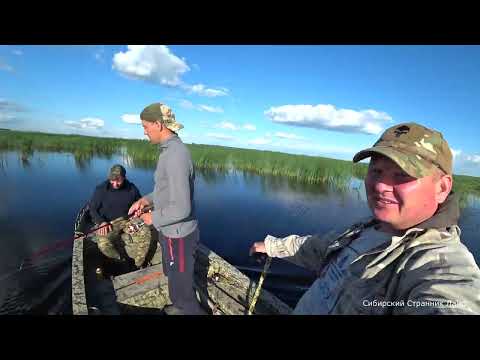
(140, 153)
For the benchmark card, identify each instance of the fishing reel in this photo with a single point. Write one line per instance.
(135, 225)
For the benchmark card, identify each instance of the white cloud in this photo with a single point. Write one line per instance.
(328, 117)
(473, 158)
(4, 117)
(260, 141)
(456, 153)
(10, 111)
(86, 123)
(305, 146)
(202, 90)
(227, 125)
(5, 67)
(6, 105)
(17, 52)
(220, 136)
(155, 63)
(186, 104)
(464, 158)
(99, 55)
(283, 135)
(210, 109)
(317, 149)
(131, 118)
(231, 126)
(466, 164)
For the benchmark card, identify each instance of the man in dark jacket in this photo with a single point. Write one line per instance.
(109, 206)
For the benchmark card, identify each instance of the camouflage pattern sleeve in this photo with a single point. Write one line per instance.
(440, 281)
(305, 251)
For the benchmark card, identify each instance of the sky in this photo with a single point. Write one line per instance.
(315, 100)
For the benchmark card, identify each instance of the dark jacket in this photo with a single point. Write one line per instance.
(108, 204)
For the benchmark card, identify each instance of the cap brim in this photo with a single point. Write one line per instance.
(174, 127)
(115, 177)
(393, 154)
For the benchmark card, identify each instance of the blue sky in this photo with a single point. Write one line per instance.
(317, 100)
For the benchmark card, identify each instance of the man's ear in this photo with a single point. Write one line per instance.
(443, 187)
(159, 125)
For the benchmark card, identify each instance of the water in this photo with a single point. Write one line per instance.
(40, 197)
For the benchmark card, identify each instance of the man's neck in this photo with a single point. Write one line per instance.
(387, 228)
(167, 137)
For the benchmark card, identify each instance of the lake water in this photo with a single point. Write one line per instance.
(39, 200)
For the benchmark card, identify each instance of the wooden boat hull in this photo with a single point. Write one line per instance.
(221, 288)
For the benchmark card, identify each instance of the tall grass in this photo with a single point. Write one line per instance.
(140, 153)
(75, 144)
(302, 168)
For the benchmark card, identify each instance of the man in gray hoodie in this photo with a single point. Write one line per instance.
(174, 213)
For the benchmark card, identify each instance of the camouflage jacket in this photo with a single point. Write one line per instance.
(427, 270)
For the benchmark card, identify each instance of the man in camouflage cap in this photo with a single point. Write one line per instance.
(408, 258)
(161, 113)
(174, 211)
(109, 208)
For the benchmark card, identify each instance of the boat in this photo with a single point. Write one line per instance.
(102, 286)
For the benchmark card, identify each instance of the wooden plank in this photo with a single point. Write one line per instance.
(137, 277)
(223, 300)
(79, 299)
(136, 289)
(238, 298)
(223, 286)
(237, 282)
(146, 303)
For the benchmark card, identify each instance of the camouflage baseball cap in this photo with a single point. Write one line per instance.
(116, 171)
(416, 149)
(163, 113)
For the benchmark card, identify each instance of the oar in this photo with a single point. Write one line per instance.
(260, 283)
(60, 244)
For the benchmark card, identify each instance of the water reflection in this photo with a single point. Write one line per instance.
(235, 208)
(82, 161)
(213, 177)
(131, 161)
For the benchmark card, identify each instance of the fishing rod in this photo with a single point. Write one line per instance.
(143, 211)
(60, 244)
(260, 283)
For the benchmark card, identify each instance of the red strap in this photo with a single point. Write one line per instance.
(181, 250)
(170, 247)
(148, 277)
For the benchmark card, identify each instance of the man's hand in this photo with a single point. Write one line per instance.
(137, 207)
(258, 247)
(105, 230)
(147, 217)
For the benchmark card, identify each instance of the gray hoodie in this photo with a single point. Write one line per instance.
(172, 197)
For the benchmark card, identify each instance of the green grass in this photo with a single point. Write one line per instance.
(140, 153)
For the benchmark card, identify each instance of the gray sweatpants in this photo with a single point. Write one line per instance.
(178, 265)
